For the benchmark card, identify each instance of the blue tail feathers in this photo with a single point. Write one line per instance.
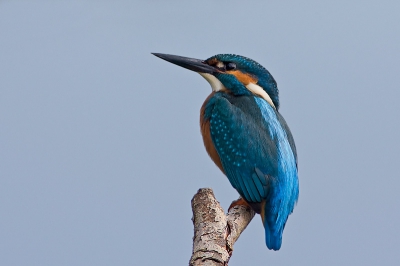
(273, 230)
(273, 240)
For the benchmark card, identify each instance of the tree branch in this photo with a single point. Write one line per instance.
(214, 232)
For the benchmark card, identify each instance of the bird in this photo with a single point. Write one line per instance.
(247, 138)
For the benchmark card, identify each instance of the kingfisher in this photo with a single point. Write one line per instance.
(247, 138)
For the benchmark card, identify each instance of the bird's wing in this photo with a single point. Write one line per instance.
(248, 141)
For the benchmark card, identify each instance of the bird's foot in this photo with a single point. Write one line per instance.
(239, 201)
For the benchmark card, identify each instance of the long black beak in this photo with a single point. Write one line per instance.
(189, 63)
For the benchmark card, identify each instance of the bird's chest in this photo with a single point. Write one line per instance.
(205, 115)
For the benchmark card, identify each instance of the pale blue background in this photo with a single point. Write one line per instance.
(100, 148)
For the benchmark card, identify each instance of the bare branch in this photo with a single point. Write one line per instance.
(214, 232)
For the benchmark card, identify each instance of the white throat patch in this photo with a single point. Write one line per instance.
(254, 88)
(216, 85)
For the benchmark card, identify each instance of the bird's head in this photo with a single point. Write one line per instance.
(230, 73)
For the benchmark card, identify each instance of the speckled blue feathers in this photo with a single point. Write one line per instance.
(258, 156)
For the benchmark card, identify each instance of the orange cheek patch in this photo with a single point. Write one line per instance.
(245, 79)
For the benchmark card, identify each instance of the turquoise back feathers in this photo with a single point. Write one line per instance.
(258, 156)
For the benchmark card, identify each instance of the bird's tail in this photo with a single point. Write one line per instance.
(273, 232)
(273, 239)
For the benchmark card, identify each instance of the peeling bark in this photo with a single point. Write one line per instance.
(214, 232)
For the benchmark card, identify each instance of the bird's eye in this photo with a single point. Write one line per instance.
(230, 66)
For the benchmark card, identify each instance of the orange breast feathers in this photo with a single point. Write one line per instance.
(205, 132)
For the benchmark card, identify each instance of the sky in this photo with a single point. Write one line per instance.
(100, 145)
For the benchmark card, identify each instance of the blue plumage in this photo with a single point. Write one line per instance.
(285, 190)
(247, 137)
(257, 157)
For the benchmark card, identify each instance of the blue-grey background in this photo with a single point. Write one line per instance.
(100, 148)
